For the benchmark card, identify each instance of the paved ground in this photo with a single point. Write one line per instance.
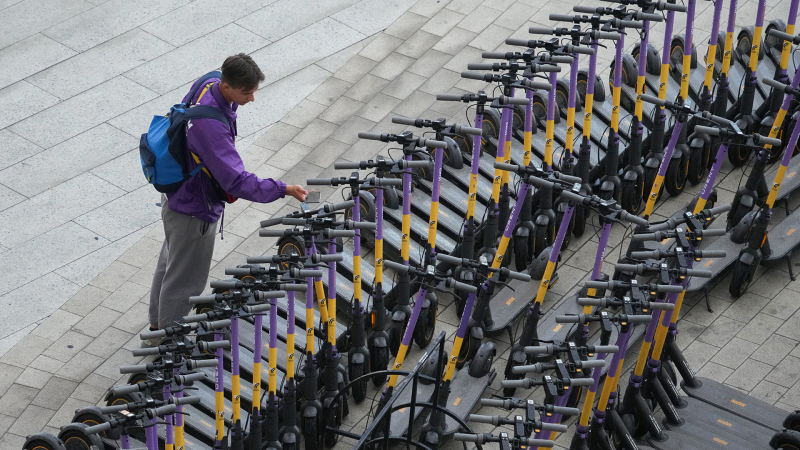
(82, 226)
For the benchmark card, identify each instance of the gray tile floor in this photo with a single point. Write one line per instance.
(82, 226)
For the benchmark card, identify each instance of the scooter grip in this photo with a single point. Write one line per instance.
(399, 268)
(238, 271)
(193, 364)
(320, 181)
(592, 364)
(339, 233)
(651, 99)
(635, 268)
(600, 302)
(305, 273)
(585, 9)
(153, 334)
(557, 60)
(639, 318)
(533, 84)
(431, 143)
(785, 36)
(479, 418)
(190, 378)
(664, 6)
(403, 164)
(540, 30)
(449, 259)
(331, 207)
(273, 233)
(518, 42)
(662, 306)
(645, 237)
(271, 222)
(197, 299)
(507, 167)
(451, 283)
(404, 121)
(575, 197)
(518, 276)
(538, 182)
(209, 325)
(554, 427)
(122, 390)
(264, 295)
(320, 258)
(463, 129)
(651, 17)
(566, 411)
(647, 254)
(218, 284)
(569, 48)
(147, 351)
(669, 288)
(187, 400)
(532, 442)
(633, 218)
(765, 140)
(711, 232)
(95, 429)
(142, 368)
(718, 209)
(561, 18)
(255, 309)
(213, 345)
(164, 410)
(581, 382)
(466, 437)
(711, 131)
(347, 165)
(495, 403)
(568, 178)
(114, 408)
(700, 273)
(480, 66)
(569, 318)
(605, 35)
(352, 225)
(630, 24)
(448, 97)
(515, 101)
(538, 350)
(397, 182)
(529, 368)
(368, 135)
(293, 287)
(293, 221)
(606, 349)
(476, 76)
(493, 55)
(523, 383)
(710, 253)
(594, 284)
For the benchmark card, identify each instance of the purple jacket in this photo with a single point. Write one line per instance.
(213, 143)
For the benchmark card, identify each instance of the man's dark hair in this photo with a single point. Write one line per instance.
(241, 72)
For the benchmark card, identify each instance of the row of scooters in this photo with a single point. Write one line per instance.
(470, 269)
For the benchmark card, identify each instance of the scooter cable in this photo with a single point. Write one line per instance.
(466, 112)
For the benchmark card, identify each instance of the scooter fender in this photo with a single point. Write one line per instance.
(379, 342)
(399, 316)
(312, 410)
(539, 264)
(522, 232)
(741, 232)
(747, 256)
(476, 333)
(652, 163)
(356, 357)
(543, 220)
(630, 175)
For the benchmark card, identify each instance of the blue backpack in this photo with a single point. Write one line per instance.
(163, 150)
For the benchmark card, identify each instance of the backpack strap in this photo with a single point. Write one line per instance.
(201, 81)
(205, 112)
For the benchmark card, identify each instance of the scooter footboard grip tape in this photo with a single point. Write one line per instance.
(650, 254)
(639, 318)
(634, 219)
(479, 418)
(331, 207)
(652, 17)
(461, 286)
(319, 181)
(368, 135)
(404, 121)
(193, 400)
(153, 334)
(507, 167)
(220, 284)
(516, 101)
(584, 382)
(780, 35)
(568, 318)
(193, 364)
(568, 178)
(472, 131)
(711, 131)
(238, 271)
(517, 41)
(293, 221)
(272, 233)
(575, 197)
(255, 309)
(336, 257)
(95, 429)
(346, 165)
(627, 267)
(479, 66)
(448, 97)
(133, 369)
(465, 437)
(449, 259)
(765, 140)
(531, 442)
(533, 84)
(700, 273)
(148, 351)
(669, 288)
(606, 349)
(593, 284)
(592, 301)
(432, 143)
(592, 364)
(566, 411)
(644, 237)
(271, 222)
(654, 100)
(711, 253)
(397, 182)
(585, 9)
(561, 18)
(537, 350)
(399, 268)
(538, 182)
(122, 390)
(472, 75)
(664, 6)
(197, 299)
(528, 368)
(518, 276)
(523, 383)
(630, 24)
(403, 164)
(662, 306)
(541, 30)
(554, 427)
(711, 232)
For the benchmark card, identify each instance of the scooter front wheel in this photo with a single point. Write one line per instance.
(699, 156)
(521, 254)
(379, 360)
(579, 220)
(396, 336)
(360, 387)
(539, 240)
(631, 197)
(675, 179)
(310, 432)
(426, 325)
(738, 155)
(75, 437)
(742, 276)
(788, 439)
(43, 441)
(650, 175)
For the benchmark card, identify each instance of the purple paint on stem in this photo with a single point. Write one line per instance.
(673, 141)
(125, 442)
(235, 345)
(476, 145)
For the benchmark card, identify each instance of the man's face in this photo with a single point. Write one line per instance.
(241, 96)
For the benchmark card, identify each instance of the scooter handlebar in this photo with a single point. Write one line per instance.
(640, 318)
(274, 233)
(631, 24)
(533, 84)
(180, 401)
(585, 9)
(574, 196)
(339, 233)
(255, 309)
(432, 143)
(370, 136)
(651, 99)
(479, 418)
(449, 259)
(570, 318)
(521, 276)
(216, 284)
(650, 16)
(352, 225)
(321, 258)
(541, 30)
(463, 129)
(662, 306)
(271, 222)
(476, 76)
(127, 389)
(633, 218)
(669, 288)
(403, 164)
(569, 48)
(147, 351)
(610, 35)
(213, 345)
(635, 268)
(665, 6)
(320, 181)
(331, 207)
(700, 273)
(141, 368)
(190, 378)
(95, 429)
(594, 284)
(711, 131)
(515, 100)
(215, 325)
(532, 442)
(507, 167)
(560, 18)
(495, 403)
(397, 267)
(478, 66)
(238, 271)
(538, 182)
(397, 182)
(785, 36)
(194, 364)
(765, 140)
(153, 334)
(606, 349)
(404, 121)
(710, 253)
(448, 97)
(347, 165)
(711, 232)
(451, 283)
(294, 221)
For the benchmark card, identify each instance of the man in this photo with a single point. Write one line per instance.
(191, 213)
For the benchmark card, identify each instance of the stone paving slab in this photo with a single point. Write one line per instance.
(392, 57)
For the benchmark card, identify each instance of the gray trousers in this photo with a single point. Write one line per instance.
(183, 265)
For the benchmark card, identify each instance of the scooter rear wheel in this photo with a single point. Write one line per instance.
(539, 240)
(738, 155)
(742, 277)
(75, 438)
(792, 421)
(43, 441)
(788, 440)
(698, 161)
(579, 217)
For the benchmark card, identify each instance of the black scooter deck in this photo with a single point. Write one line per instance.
(509, 304)
(465, 392)
(400, 418)
(747, 409)
(700, 435)
(782, 238)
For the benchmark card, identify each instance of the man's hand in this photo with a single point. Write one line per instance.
(297, 192)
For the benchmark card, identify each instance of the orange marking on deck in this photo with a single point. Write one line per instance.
(664, 242)
(790, 175)
(720, 441)
(205, 423)
(402, 410)
(788, 233)
(458, 400)
(558, 327)
(709, 262)
(444, 214)
(737, 402)
(465, 202)
(510, 300)
(727, 424)
(342, 285)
